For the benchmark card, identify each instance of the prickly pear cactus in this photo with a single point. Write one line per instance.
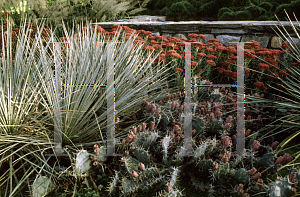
(216, 95)
(82, 163)
(145, 139)
(241, 176)
(142, 155)
(198, 124)
(266, 161)
(214, 127)
(280, 188)
(206, 164)
(42, 186)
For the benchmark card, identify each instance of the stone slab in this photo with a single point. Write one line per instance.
(224, 39)
(227, 31)
(262, 40)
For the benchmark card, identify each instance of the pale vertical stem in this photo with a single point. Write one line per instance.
(110, 93)
(187, 108)
(57, 100)
(240, 147)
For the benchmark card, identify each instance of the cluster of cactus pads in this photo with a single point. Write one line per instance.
(157, 155)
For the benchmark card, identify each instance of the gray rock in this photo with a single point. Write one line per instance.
(227, 31)
(208, 37)
(155, 34)
(181, 36)
(262, 40)
(167, 35)
(224, 39)
(276, 42)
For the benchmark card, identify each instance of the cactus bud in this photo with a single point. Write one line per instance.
(211, 117)
(256, 176)
(182, 136)
(228, 119)
(255, 145)
(129, 138)
(144, 126)
(123, 141)
(173, 104)
(157, 111)
(179, 94)
(227, 126)
(142, 166)
(240, 190)
(292, 176)
(228, 154)
(293, 191)
(139, 129)
(176, 106)
(152, 125)
(134, 173)
(95, 163)
(215, 165)
(134, 130)
(247, 111)
(181, 108)
(153, 108)
(252, 171)
(294, 182)
(145, 104)
(148, 108)
(233, 138)
(126, 153)
(249, 117)
(260, 183)
(258, 117)
(225, 158)
(247, 132)
(223, 89)
(194, 132)
(278, 160)
(225, 141)
(168, 187)
(274, 145)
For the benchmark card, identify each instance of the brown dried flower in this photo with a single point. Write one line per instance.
(252, 171)
(256, 176)
(255, 145)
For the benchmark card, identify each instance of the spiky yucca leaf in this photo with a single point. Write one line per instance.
(79, 103)
(24, 139)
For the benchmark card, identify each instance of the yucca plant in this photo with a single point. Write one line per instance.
(85, 60)
(290, 120)
(23, 140)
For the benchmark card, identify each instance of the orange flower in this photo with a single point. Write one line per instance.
(210, 62)
(258, 84)
(177, 70)
(7, 13)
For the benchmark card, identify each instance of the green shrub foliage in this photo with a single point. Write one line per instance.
(223, 10)
(181, 10)
(243, 15)
(256, 11)
(227, 16)
(266, 5)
